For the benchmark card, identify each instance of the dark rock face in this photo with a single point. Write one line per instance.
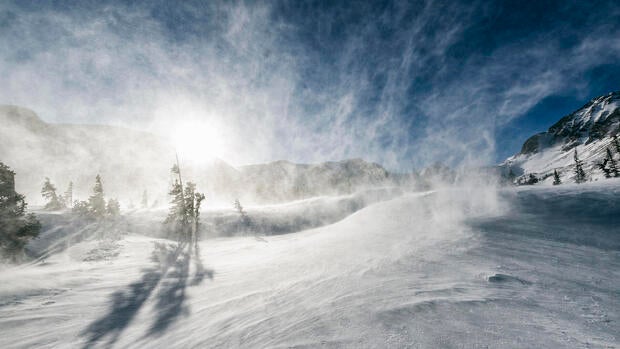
(532, 144)
(597, 119)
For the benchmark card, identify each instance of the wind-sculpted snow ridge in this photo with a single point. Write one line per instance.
(456, 267)
(274, 219)
(62, 230)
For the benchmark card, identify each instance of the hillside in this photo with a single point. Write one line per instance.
(589, 130)
(128, 160)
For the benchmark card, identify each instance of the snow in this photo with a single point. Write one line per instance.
(588, 130)
(515, 268)
(602, 107)
(543, 163)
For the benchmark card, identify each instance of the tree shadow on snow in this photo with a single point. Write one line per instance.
(171, 296)
(171, 272)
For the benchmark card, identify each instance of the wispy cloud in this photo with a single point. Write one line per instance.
(396, 83)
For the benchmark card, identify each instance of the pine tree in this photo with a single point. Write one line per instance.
(580, 175)
(113, 208)
(49, 193)
(603, 167)
(97, 201)
(245, 220)
(177, 217)
(81, 208)
(193, 200)
(184, 214)
(17, 227)
(238, 207)
(616, 144)
(556, 178)
(69, 195)
(608, 166)
(611, 164)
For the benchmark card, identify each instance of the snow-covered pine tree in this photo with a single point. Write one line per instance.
(184, 215)
(580, 175)
(176, 219)
(113, 208)
(193, 201)
(81, 208)
(245, 220)
(611, 164)
(49, 193)
(603, 167)
(17, 226)
(97, 200)
(238, 207)
(616, 143)
(69, 195)
(556, 178)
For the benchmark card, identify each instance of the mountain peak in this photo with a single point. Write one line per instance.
(589, 130)
(598, 118)
(13, 114)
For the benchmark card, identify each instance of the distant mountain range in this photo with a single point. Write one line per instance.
(589, 130)
(131, 161)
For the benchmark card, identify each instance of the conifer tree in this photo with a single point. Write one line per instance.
(580, 175)
(556, 178)
(69, 195)
(616, 143)
(81, 208)
(97, 201)
(184, 213)
(245, 220)
(113, 208)
(16, 227)
(608, 166)
(603, 167)
(611, 164)
(49, 193)
(193, 200)
(177, 219)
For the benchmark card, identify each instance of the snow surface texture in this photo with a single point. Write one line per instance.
(589, 130)
(464, 268)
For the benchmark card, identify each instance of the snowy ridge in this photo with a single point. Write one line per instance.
(589, 130)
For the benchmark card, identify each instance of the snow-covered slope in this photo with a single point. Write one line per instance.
(452, 268)
(589, 130)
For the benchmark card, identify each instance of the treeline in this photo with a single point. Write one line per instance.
(608, 166)
(95, 207)
(16, 226)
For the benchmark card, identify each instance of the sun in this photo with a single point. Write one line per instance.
(198, 141)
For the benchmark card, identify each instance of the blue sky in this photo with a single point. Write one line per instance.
(405, 84)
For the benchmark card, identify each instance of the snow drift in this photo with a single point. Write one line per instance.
(439, 269)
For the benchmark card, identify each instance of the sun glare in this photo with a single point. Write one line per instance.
(198, 141)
